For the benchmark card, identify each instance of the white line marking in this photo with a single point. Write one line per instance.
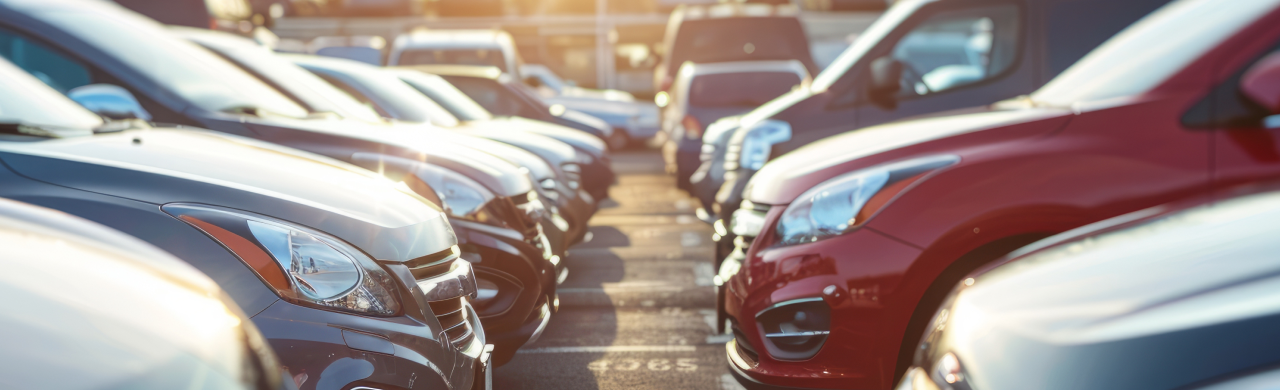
(613, 348)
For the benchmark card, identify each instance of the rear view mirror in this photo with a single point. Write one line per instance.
(1261, 83)
(886, 82)
(109, 101)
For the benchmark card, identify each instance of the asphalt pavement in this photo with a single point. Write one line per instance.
(638, 308)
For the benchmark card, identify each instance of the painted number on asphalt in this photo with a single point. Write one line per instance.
(681, 365)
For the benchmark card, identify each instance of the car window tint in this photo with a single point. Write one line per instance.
(959, 47)
(491, 95)
(1227, 107)
(54, 69)
(455, 57)
(740, 89)
(1077, 26)
(452, 99)
(355, 94)
(739, 39)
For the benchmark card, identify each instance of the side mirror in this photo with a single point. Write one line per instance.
(109, 101)
(886, 82)
(1261, 83)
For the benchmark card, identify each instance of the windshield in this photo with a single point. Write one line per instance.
(317, 94)
(399, 99)
(865, 42)
(448, 96)
(482, 57)
(26, 100)
(184, 69)
(1149, 52)
(746, 89)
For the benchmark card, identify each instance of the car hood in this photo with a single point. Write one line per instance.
(529, 156)
(547, 150)
(601, 108)
(578, 140)
(162, 166)
(343, 139)
(1181, 281)
(109, 308)
(783, 179)
(588, 120)
(596, 94)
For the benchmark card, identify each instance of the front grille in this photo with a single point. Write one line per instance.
(453, 317)
(451, 313)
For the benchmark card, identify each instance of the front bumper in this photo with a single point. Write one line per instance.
(330, 350)
(863, 288)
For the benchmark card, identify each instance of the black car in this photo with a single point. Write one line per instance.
(1182, 296)
(151, 307)
(352, 279)
(121, 64)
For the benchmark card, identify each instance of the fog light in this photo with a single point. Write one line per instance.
(795, 330)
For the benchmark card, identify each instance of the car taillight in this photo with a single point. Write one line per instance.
(692, 128)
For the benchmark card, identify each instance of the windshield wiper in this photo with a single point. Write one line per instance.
(18, 128)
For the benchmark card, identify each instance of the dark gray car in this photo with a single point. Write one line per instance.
(352, 279)
(102, 55)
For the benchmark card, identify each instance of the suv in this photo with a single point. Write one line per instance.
(456, 47)
(731, 32)
(920, 57)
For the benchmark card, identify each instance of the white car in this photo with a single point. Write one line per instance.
(637, 120)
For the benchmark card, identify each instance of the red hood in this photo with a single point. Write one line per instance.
(786, 177)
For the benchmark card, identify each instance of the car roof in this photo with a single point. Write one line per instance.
(690, 69)
(476, 71)
(453, 39)
(734, 10)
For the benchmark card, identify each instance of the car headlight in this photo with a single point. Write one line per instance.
(795, 330)
(757, 142)
(460, 196)
(947, 374)
(839, 205)
(302, 265)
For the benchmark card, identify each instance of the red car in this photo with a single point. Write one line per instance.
(861, 235)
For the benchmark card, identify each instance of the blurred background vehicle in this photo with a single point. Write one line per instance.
(234, 16)
(731, 32)
(921, 57)
(633, 122)
(303, 243)
(84, 43)
(869, 230)
(503, 95)
(705, 93)
(100, 307)
(1186, 292)
(456, 47)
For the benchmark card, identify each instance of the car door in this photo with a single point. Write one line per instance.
(955, 55)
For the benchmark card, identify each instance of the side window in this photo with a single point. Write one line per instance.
(490, 95)
(1227, 107)
(54, 69)
(359, 97)
(959, 47)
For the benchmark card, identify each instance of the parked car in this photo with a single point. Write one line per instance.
(503, 95)
(860, 236)
(921, 57)
(731, 32)
(352, 280)
(632, 121)
(128, 326)
(90, 51)
(593, 161)
(545, 158)
(705, 93)
(456, 47)
(235, 16)
(1171, 297)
